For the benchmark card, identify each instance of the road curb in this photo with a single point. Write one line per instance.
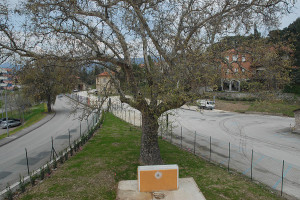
(6, 140)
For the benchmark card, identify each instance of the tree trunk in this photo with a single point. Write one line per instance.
(49, 104)
(150, 153)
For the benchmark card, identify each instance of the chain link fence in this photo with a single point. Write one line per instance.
(277, 174)
(59, 148)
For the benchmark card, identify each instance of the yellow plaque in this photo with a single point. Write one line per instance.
(157, 178)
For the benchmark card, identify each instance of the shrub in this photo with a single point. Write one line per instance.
(54, 163)
(61, 158)
(48, 170)
(42, 173)
(22, 184)
(32, 179)
(66, 156)
(9, 195)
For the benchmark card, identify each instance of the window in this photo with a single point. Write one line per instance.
(243, 58)
(235, 57)
(236, 69)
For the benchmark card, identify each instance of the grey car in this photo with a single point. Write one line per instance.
(10, 123)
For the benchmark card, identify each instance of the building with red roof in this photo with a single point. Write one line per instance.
(104, 83)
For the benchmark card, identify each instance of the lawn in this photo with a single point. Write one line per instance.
(35, 114)
(112, 155)
(272, 107)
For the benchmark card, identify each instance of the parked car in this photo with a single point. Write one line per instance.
(4, 119)
(10, 123)
(204, 104)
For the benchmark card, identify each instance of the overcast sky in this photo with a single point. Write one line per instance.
(287, 20)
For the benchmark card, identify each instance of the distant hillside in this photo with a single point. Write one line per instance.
(7, 65)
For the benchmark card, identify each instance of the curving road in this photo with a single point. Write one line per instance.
(269, 137)
(38, 143)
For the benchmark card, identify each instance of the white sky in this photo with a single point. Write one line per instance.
(287, 20)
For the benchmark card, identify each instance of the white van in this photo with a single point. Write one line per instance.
(204, 104)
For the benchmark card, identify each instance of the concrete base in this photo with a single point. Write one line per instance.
(188, 189)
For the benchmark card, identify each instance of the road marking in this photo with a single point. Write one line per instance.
(226, 160)
(280, 179)
(253, 164)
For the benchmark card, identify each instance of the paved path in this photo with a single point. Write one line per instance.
(27, 130)
(38, 143)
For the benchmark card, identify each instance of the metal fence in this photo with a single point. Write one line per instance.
(65, 144)
(277, 174)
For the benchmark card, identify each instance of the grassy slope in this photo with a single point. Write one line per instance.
(112, 155)
(276, 107)
(35, 114)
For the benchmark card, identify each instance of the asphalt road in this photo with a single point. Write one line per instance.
(38, 144)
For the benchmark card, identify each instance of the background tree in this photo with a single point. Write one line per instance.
(112, 32)
(271, 62)
(291, 35)
(44, 79)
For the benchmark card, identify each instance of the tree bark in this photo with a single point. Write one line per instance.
(150, 153)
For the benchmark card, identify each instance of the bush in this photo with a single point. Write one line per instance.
(22, 184)
(9, 195)
(32, 179)
(48, 170)
(66, 156)
(61, 158)
(54, 163)
(42, 173)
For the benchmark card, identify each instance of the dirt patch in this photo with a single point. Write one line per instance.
(232, 106)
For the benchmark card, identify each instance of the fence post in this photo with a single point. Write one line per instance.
(69, 138)
(125, 115)
(195, 144)
(134, 117)
(87, 122)
(161, 131)
(27, 161)
(129, 118)
(171, 134)
(229, 156)
(80, 128)
(181, 138)
(251, 163)
(167, 120)
(209, 148)
(93, 120)
(282, 177)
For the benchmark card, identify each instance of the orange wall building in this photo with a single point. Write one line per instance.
(235, 68)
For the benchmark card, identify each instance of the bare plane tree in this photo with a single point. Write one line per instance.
(171, 36)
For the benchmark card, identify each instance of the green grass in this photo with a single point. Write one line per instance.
(35, 114)
(112, 155)
(272, 107)
(278, 107)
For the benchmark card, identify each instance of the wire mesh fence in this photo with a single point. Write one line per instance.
(59, 147)
(277, 174)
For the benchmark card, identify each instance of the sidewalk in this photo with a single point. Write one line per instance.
(27, 130)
